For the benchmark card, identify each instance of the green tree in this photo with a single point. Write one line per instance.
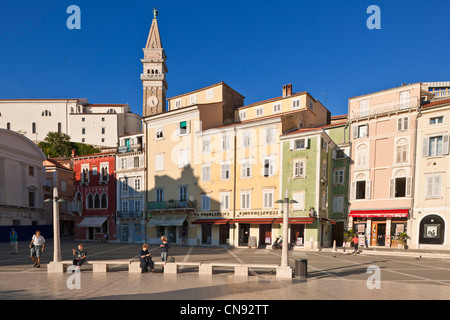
(56, 145)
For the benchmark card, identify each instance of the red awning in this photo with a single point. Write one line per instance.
(392, 213)
(211, 221)
(254, 220)
(302, 220)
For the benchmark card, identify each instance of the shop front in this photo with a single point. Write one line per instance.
(213, 231)
(379, 227)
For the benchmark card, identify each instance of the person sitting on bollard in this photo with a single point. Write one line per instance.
(81, 255)
(146, 259)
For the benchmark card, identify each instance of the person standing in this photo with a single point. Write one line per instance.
(37, 247)
(13, 241)
(355, 241)
(164, 248)
(81, 255)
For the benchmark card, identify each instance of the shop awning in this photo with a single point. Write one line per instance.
(300, 220)
(392, 213)
(211, 221)
(92, 222)
(168, 220)
(253, 220)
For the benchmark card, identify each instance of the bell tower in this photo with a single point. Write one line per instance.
(153, 78)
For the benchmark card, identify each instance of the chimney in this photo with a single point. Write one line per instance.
(287, 90)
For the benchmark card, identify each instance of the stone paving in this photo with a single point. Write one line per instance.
(331, 276)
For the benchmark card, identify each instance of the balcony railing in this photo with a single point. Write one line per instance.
(170, 205)
(441, 94)
(386, 108)
(129, 214)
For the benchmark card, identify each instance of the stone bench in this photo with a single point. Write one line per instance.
(98, 266)
(240, 269)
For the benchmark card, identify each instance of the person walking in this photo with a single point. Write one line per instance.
(80, 254)
(146, 259)
(355, 241)
(13, 241)
(37, 247)
(164, 248)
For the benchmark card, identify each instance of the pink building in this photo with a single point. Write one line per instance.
(383, 139)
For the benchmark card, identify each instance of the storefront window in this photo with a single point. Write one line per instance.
(432, 230)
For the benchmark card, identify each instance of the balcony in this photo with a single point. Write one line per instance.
(386, 108)
(127, 215)
(171, 205)
(75, 206)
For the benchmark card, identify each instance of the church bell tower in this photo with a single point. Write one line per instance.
(153, 78)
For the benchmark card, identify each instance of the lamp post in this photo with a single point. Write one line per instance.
(56, 240)
(284, 249)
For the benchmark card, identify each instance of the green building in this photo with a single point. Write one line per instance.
(315, 173)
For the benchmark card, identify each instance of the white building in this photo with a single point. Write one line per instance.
(95, 124)
(130, 170)
(21, 182)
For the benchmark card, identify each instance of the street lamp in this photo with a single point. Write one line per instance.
(284, 248)
(56, 240)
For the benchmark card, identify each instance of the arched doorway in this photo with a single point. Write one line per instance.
(432, 230)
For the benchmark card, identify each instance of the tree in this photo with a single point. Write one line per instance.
(56, 145)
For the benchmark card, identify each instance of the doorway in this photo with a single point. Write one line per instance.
(125, 233)
(224, 234)
(378, 234)
(297, 233)
(244, 233)
(265, 234)
(206, 233)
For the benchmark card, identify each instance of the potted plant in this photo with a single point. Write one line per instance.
(403, 237)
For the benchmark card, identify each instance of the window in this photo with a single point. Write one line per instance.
(31, 171)
(183, 128)
(123, 163)
(85, 173)
(268, 199)
(246, 199)
(206, 172)
(324, 170)
(339, 154)
(338, 204)
(246, 169)
(136, 162)
(46, 113)
(31, 199)
(104, 201)
(324, 145)
(224, 201)
(435, 146)
(242, 115)
(311, 105)
(177, 103)
(96, 201)
(33, 127)
(137, 206)
(300, 144)
(400, 187)
(402, 124)
(338, 176)
(433, 186)
(159, 194)
(183, 158)
(269, 135)
(362, 131)
(269, 169)
(103, 130)
(183, 193)
(83, 119)
(111, 111)
(8, 126)
(364, 107)
(124, 183)
(246, 139)
(259, 111)
(59, 127)
(299, 169)
(210, 94)
(404, 99)
(296, 103)
(137, 184)
(298, 196)
(103, 119)
(159, 133)
(362, 155)
(226, 140)
(436, 120)
(206, 203)
(90, 201)
(401, 151)
(124, 206)
(193, 99)
(206, 145)
(360, 189)
(83, 130)
(225, 171)
(104, 174)
(159, 162)
(277, 107)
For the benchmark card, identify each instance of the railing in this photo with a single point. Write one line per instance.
(441, 93)
(132, 148)
(129, 214)
(172, 204)
(386, 108)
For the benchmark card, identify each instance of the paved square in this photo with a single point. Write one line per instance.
(331, 276)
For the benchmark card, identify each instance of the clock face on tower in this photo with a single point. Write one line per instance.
(152, 101)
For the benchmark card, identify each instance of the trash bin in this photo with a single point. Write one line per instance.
(301, 268)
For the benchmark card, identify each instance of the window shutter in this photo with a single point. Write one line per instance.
(425, 147)
(391, 188)
(406, 123)
(368, 188)
(188, 126)
(445, 144)
(306, 143)
(291, 145)
(353, 190)
(367, 130)
(408, 186)
(355, 132)
(399, 124)
(178, 129)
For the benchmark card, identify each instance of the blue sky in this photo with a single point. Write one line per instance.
(255, 46)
